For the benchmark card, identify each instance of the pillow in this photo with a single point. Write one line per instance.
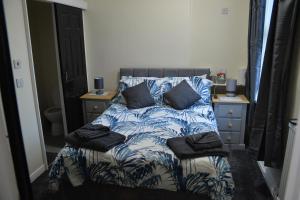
(154, 84)
(182, 96)
(201, 85)
(138, 96)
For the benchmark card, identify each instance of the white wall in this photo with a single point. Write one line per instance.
(220, 40)
(164, 33)
(8, 185)
(294, 93)
(28, 111)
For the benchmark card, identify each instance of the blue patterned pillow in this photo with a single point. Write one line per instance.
(154, 84)
(201, 85)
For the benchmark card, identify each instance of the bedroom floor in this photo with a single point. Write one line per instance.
(248, 180)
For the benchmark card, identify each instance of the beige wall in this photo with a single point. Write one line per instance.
(164, 33)
(8, 187)
(220, 40)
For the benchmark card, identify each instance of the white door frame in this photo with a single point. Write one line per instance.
(74, 3)
(60, 85)
(33, 82)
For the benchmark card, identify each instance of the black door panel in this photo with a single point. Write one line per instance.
(72, 62)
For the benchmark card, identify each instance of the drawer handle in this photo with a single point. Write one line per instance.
(229, 125)
(230, 112)
(95, 107)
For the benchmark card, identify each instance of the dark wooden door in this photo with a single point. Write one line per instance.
(72, 62)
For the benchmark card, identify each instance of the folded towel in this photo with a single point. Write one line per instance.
(91, 126)
(86, 135)
(103, 144)
(183, 151)
(91, 131)
(206, 140)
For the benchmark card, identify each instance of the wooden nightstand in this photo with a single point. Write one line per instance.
(94, 105)
(231, 118)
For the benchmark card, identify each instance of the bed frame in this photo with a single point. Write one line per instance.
(163, 72)
(111, 192)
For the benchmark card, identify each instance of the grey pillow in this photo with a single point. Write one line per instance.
(138, 96)
(181, 96)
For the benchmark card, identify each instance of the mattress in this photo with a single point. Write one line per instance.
(144, 160)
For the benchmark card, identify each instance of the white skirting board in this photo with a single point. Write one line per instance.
(272, 178)
(276, 179)
(34, 175)
(75, 3)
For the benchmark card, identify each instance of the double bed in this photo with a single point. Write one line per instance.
(144, 160)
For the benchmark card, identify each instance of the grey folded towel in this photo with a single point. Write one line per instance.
(91, 131)
(91, 126)
(205, 140)
(103, 144)
(184, 151)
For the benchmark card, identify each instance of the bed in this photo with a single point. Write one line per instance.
(144, 160)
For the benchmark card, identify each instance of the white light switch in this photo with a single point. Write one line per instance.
(225, 11)
(17, 64)
(19, 83)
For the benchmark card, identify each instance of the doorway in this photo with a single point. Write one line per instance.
(41, 23)
(60, 71)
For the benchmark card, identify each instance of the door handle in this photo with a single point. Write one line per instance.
(66, 76)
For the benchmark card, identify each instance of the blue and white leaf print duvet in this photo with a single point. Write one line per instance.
(144, 160)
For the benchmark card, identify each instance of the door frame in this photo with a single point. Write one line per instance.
(34, 87)
(60, 10)
(12, 115)
(60, 86)
(82, 4)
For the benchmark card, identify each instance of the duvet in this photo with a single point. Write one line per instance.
(144, 160)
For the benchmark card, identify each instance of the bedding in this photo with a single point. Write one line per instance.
(144, 159)
(159, 86)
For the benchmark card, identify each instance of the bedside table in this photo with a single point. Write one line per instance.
(94, 105)
(231, 119)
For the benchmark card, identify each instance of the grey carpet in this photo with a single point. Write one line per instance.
(248, 179)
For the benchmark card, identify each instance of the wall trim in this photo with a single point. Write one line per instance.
(39, 171)
(34, 87)
(75, 3)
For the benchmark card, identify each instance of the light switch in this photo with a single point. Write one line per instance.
(225, 11)
(19, 83)
(17, 64)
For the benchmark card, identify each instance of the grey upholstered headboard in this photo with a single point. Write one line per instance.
(164, 72)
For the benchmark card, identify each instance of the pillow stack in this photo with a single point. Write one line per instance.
(178, 92)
